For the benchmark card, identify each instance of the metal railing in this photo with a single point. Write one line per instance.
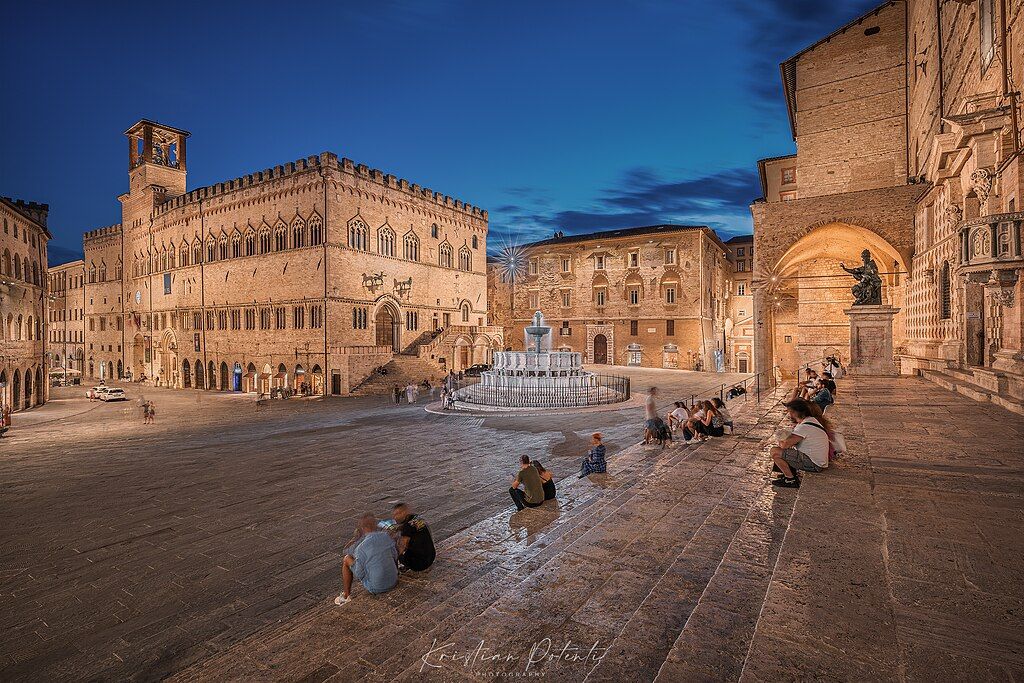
(599, 390)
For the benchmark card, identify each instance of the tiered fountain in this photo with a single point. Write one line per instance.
(540, 378)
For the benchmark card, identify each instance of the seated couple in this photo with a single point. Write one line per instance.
(537, 482)
(377, 549)
(806, 448)
(704, 419)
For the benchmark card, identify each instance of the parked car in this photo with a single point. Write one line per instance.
(97, 392)
(113, 394)
(475, 370)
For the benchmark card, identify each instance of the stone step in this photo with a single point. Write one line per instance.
(401, 370)
(634, 547)
(959, 382)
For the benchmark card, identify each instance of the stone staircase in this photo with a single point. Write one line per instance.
(980, 385)
(664, 562)
(401, 370)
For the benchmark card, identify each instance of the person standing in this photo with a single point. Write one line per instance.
(532, 493)
(410, 393)
(650, 415)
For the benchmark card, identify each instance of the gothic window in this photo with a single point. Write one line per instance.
(944, 293)
(280, 237)
(433, 231)
(465, 313)
(385, 241)
(250, 318)
(7, 263)
(298, 317)
(250, 242)
(211, 250)
(476, 242)
(183, 255)
(316, 316)
(264, 318)
(411, 247)
(280, 318)
(222, 320)
(316, 230)
(265, 239)
(465, 259)
(222, 250)
(236, 245)
(444, 255)
(17, 269)
(358, 235)
(197, 252)
(298, 234)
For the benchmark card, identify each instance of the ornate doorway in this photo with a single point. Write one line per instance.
(387, 326)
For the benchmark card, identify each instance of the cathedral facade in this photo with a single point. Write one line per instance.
(306, 276)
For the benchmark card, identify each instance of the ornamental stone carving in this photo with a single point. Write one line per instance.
(981, 183)
(954, 214)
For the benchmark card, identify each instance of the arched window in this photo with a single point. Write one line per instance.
(316, 230)
(298, 234)
(17, 269)
(250, 242)
(183, 255)
(358, 235)
(35, 273)
(172, 256)
(197, 252)
(465, 259)
(236, 245)
(945, 312)
(265, 239)
(385, 241)
(223, 247)
(465, 312)
(29, 329)
(411, 247)
(280, 237)
(211, 249)
(6, 266)
(434, 231)
(444, 255)
(476, 243)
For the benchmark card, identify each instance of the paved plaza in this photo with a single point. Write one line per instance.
(207, 546)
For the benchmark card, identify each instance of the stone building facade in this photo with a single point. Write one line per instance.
(739, 323)
(306, 276)
(908, 144)
(650, 296)
(66, 321)
(23, 304)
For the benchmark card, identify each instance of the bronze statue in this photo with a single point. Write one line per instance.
(868, 290)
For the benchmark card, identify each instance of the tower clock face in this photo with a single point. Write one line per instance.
(138, 297)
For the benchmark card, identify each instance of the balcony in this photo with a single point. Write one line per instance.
(991, 243)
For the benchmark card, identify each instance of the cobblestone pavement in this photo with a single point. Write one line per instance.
(901, 562)
(132, 550)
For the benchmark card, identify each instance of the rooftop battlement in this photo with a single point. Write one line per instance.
(34, 211)
(102, 232)
(324, 160)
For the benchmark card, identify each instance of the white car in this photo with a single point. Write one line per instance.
(97, 392)
(113, 394)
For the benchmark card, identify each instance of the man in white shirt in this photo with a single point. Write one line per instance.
(806, 448)
(678, 417)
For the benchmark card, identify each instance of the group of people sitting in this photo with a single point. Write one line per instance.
(697, 422)
(378, 550)
(533, 483)
(817, 388)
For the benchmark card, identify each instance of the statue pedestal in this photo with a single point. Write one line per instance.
(871, 340)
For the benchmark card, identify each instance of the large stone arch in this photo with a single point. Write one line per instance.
(388, 322)
(801, 292)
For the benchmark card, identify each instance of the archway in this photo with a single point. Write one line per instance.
(211, 375)
(28, 389)
(601, 350)
(281, 377)
(120, 369)
(200, 379)
(301, 381)
(805, 293)
(463, 354)
(388, 328)
(236, 377)
(4, 402)
(16, 391)
(39, 386)
(224, 386)
(186, 374)
(318, 380)
(167, 355)
(250, 378)
(264, 377)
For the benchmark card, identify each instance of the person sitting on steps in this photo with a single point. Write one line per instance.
(415, 544)
(532, 493)
(806, 448)
(594, 463)
(372, 558)
(546, 480)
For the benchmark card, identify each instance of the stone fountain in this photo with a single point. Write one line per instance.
(540, 378)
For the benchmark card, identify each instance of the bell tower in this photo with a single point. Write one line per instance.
(156, 161)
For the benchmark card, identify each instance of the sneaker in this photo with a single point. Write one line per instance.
(342, 600)
(787, 483)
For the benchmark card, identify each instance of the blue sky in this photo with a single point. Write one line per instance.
(568, 116)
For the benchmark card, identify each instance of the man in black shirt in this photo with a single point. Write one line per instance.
(415, 544)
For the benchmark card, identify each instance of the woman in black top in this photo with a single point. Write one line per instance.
(546, 479)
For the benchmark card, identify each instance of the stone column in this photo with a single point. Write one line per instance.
(871, 347)
(763, 334)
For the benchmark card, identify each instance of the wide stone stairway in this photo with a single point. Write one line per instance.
(901, 562)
